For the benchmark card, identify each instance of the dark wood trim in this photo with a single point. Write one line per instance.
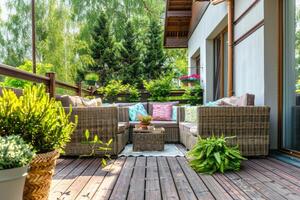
(48, 80)
(245, 12)
(222, 91)
(249, 32)
(230, 8)
(194, 28)
(179, 13)
(290, 152)
(6, 70)
(280, 73)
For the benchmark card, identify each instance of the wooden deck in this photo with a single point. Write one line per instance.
(155, 178)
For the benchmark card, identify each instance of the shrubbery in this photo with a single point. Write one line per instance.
(115, 87)
(159, 89)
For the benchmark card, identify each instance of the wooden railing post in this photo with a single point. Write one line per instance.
(51, 84)
(79, 89)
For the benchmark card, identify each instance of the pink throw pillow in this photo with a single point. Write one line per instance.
(162, 112)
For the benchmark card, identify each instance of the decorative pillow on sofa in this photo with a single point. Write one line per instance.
(162, 112)
(135, 111)
(91, 102)
(174, 113)
(191, 114)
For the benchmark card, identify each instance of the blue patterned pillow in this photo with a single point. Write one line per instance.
(136, 110)
(174, 113)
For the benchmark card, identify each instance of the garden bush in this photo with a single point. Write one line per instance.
(115, 87)
(194, 95)
(38, 119)
(159, 89)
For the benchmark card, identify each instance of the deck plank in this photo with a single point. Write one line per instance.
(259, 186)
(275, 177)
(157, 178)
(273, 185)
(230, 188)
(277, 171)
(122, 186)
(199, 188)
(215, 188)
(67, 181)
(137, 183)
(285, 165)
(152, 180)
(94, 183)
(108, 184)
(167, 184)
(244, 186)
(57, 178)
(62, 165)
(183, 187)
(81, 181)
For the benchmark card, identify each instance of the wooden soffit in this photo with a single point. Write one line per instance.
(181, 18)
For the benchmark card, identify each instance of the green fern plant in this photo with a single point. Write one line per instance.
(212, 155)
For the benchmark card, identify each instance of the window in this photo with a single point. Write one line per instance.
(291, 76)
(220, 65)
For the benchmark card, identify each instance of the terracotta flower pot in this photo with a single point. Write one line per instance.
(38, 181)
(144, 125)
(12, 183)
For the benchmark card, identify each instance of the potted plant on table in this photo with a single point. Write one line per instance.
(42, 123)
(145, 121)
(15, 156)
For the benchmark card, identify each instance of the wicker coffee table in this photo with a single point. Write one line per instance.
(148, 140)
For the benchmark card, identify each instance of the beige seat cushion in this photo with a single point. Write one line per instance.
(191, 128)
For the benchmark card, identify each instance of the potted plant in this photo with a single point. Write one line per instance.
(91, 79)
(42, 123)
(145, 121)
(15, 156)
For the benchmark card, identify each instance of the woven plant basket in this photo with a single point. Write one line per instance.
(39, 177)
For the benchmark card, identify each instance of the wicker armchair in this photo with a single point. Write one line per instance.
(250, 125)
(102, 121)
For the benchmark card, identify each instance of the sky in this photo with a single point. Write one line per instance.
(3, 14)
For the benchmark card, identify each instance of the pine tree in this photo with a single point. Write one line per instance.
(154, 57)
(132, 66)
(103, 51)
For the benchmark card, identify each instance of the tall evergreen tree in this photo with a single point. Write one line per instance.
(132, 66)
(155, 57)
(103, 51)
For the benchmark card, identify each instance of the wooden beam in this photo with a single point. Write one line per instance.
(179, 13)
(230, 47)
(33, 36)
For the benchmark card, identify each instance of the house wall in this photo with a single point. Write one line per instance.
(255, 52)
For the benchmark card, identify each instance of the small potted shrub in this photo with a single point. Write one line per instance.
(91, 79)
(15, 156)
(42, 123)
(145, 121)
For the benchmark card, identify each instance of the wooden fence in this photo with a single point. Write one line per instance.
(52, 84)
(49, 80)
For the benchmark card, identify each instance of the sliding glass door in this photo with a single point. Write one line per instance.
(291, 76)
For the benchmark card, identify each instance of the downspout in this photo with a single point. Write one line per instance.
(230, 8)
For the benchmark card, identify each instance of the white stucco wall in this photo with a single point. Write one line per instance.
(249, 54)
(212, 22)
(255, 57)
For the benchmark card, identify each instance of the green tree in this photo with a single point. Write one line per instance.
(103, 50)
(132, 66)
(155, 57)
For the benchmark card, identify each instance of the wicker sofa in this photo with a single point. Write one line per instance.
(249, 124)
(171, 127)
(102, 121)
